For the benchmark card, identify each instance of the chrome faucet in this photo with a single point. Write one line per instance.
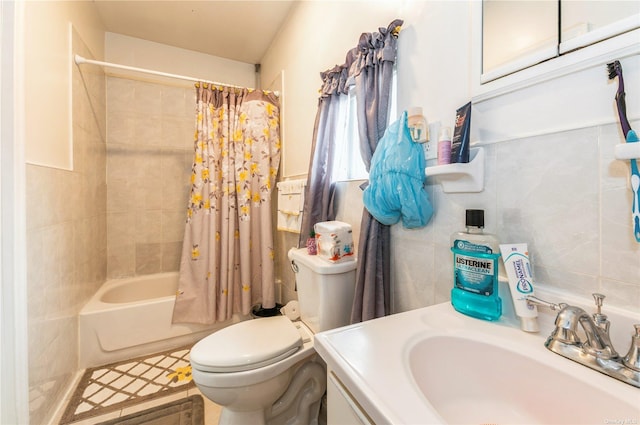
(596, 351)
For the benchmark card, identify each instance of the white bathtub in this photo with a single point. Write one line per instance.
(131, 317)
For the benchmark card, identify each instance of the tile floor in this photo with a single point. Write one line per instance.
(211, 410)
(132, 383)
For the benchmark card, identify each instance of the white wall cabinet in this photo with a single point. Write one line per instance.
(517, 35)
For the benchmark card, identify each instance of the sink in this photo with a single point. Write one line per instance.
(436, 366)
(497, 386)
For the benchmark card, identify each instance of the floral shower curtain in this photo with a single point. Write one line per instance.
(227, 262)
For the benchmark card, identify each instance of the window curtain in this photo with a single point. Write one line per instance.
(373, 71)
(227, 262)
(369, 66)
(318, 200)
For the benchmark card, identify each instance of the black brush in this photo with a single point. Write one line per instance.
(615, 70)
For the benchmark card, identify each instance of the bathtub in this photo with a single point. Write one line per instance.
(131, 317)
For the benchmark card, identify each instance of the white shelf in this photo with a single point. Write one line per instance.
(461, 177)
(629, 150)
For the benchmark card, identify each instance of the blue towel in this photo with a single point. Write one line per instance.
(396, 179)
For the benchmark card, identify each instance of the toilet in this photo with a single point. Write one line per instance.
(265, 371)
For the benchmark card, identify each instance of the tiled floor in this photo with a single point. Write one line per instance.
(211, 410)
(117, 390)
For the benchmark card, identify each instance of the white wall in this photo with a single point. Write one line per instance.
(434, 58)
(551, 179)
(317, 36)
(14, 399)
(65, 190)
(48, 65)
(131, 51)
(66, 215)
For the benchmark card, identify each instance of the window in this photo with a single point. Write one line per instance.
(348, 164)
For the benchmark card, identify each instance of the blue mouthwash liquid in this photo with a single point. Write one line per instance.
(475, 270)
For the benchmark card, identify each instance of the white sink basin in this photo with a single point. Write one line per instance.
(434, 365)
(469, 381)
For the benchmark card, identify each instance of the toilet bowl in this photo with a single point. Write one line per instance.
(265, 371)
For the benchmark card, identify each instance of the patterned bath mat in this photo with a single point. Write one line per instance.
(115, 386)
(188, 411)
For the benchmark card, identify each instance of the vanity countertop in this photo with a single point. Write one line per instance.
(372, 359)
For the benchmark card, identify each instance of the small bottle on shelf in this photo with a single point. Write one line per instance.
(444, 146)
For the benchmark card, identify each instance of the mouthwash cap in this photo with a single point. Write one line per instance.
(475, 218)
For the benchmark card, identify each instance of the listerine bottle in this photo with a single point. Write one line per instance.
(475, 270)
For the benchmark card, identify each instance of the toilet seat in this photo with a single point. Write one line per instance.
(247, 345)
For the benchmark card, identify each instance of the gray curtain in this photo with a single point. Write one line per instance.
(370, 65)
(373, 71)
(318, 201)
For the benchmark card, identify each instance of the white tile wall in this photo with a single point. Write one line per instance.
(150, 131)
(564, 194)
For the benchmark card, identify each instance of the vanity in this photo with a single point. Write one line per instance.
(434, 365)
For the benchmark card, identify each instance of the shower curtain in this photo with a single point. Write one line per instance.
(227, 262)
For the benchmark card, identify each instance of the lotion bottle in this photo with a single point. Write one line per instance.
(444, 146)
(475, 270)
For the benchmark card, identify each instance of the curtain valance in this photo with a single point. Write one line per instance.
(372, 49)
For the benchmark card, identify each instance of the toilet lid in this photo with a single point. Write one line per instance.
(246, 345)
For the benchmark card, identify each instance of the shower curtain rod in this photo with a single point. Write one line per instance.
(79, 60)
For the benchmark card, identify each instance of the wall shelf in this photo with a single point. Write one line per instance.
(630, 150)
(459, 178)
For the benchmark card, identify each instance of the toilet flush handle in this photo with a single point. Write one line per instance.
(295, 269)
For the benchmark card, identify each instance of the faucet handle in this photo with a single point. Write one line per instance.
(599, 298)
(632, 359)
(599, 318)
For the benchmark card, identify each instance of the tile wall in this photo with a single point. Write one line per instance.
(79, 234)
(66, 243)
(563, 193)
(285, 278)
(150, 131)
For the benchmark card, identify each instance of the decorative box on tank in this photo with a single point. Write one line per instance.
(334, 240)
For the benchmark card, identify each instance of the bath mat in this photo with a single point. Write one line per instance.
(188, 411)
(115, 386)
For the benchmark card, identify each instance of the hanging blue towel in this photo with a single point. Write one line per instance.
(396, 179)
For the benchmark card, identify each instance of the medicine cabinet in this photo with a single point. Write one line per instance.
(515, 36)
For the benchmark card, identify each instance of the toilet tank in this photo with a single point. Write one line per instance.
(325, 290)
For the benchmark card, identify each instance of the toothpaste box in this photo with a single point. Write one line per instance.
(334, 241)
